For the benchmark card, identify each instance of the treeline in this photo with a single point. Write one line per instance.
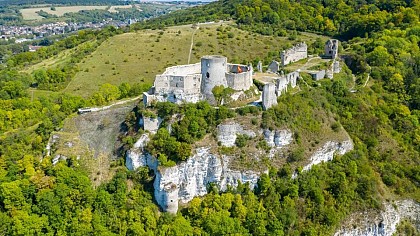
(338, 18)
(218, 10)
(5, 3)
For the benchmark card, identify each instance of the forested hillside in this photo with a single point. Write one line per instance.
(382, 40)
(345, 19)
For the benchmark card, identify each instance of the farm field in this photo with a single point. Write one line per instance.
(114, 9)
(31, 13)
(138, 57)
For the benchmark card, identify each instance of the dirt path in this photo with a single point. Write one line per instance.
(192, 44)
(309, 64)
(93, 109)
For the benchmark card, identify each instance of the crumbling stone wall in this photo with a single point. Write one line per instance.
(318, 75)
(296, 53)
(269, 97)
(281, 86)
(240, 81)
(331, 48)
(273, 67)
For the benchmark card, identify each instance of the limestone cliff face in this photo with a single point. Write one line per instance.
(191, 178)
(227, 133)
(136, 157)
(383, 223)
(278, 138)
(326, 153)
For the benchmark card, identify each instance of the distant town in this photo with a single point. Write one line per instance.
(22, 34)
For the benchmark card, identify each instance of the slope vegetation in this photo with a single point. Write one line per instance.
(138, 57)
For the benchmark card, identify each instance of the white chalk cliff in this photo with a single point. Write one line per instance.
(326, 153)
(191, 178)
(227, 133)
(188, 179)
(383, 223)
(278, 138)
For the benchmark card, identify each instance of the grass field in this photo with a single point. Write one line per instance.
(138, 57)
(114, 9)
(61, 58)
(31, 13)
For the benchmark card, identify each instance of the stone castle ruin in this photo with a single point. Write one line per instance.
(276, 88)
(269, 97)
(194, 82)
(331, 48)
(331, 52)
(273, 67)
(294, 54)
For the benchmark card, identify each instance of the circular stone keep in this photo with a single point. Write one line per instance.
(213, 71)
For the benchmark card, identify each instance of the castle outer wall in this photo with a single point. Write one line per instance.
(296, 53)
(331, 48)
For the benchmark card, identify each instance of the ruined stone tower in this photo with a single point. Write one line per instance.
(331, 48)
(269, 97)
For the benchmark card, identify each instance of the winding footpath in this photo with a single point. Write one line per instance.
(192, 44)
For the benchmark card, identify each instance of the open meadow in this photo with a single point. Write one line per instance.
(114, 9)
(138, 57)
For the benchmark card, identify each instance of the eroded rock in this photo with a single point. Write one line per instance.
(382, 223)
(227, 133)
(188, 179)
(326, 153)
(278, 138)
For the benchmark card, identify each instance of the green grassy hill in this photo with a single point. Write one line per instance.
(137, 57)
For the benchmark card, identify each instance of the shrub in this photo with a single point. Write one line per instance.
(335, 126)
(296, 155)
(241, 140)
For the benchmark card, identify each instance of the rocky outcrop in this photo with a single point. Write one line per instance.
(136, 157)
(191, 178)
(188, 179)
(150, 124)
(382, 223)
(326, 153)
(278, 138)
(227, 133)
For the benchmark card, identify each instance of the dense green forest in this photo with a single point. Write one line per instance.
(344, 19)
(37, 198)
